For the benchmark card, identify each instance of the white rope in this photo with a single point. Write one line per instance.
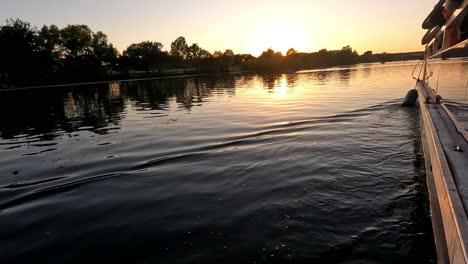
(420, 71)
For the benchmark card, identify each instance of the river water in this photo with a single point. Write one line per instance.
(315, 167)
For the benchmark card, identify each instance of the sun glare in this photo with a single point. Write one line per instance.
(282, 88)
(280, 38)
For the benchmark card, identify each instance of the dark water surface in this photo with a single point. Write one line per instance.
(315, 167)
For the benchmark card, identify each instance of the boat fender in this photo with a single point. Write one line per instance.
(437, 18)
(429, 22)
(411, 98)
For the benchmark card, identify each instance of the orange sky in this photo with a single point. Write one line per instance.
(244, 26)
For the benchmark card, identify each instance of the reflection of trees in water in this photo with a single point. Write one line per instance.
(40, 112)
(323, 76)
(345, 76)
(91, 107)
(366, 72)
(273, 81)
(97, 107)
(157, 94)
(270, 81)
(292, 79)
(245, 81)
(147, 94)
(194, 91)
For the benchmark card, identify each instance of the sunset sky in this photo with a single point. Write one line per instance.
(249, 26)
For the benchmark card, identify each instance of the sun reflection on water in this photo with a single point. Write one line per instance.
(282, 88)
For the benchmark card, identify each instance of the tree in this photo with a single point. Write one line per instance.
(50, 50)
(102, 49)
(85, 55)
(50, 55)
(50, 41)
(204, 54)
(76, 40)
(180, 49)
(228, 53)
(367, 56)
(218, 54)
(18, 51)
(145, 55)
(240, 59)
(291, 52)
(347, 55)
(270, 60)
(197, 53)
(268, 53)
(227, 59)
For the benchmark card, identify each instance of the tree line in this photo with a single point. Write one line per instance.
(75, 53)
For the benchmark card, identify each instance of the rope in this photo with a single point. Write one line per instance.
(420, 71)
(431, 73)
(419, 75)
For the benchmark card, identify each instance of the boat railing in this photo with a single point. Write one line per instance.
(439, 40)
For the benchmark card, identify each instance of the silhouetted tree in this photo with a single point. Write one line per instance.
(18, 51)
(31, 56)
(179, 48)
(227, 60)
(367, 56)
(50, 51)
(50, 41)
(270, 60)
(240, 59)
(76, 40)
(347, 56)
(145, 55)
(102, 49)
(291, 52)
(217, 54)
(197, 53)
(85, 53)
